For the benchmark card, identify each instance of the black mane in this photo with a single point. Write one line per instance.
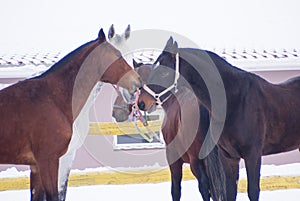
(224, 67)
(219, 62)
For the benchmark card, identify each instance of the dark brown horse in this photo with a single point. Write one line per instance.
(250, 116)
(37, 114)
(183, 134)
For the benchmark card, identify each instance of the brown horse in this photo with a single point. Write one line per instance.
(121, 109)
(250, 116)
(37, 114)
(183, 134)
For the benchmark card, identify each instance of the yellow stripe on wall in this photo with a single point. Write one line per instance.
(146, 176)
(121, 128)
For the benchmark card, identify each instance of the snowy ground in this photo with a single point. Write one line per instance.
(160, 191)
(145, 192)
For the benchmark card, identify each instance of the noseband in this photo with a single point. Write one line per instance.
(137, 116)
(123, 108)
(158, 96)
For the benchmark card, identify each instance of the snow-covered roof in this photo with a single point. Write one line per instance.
(253, 28)
(27, 65)
(46, 59)
(263, 59)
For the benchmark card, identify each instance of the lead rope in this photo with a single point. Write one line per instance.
(136, 114)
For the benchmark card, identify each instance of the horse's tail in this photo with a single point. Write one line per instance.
(214, 167)
(216, 176)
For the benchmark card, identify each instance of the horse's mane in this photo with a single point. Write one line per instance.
(222, 65)
(215, 58)
(66, 59)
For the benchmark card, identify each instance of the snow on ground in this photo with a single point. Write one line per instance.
(159, 191)
(275, 170)
(266, 170)
(145, 192)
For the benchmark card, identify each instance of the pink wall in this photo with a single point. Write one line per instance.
(92, 155)
(278, 76)
(98, 151)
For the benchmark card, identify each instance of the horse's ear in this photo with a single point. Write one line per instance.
(127, 32)
(169, 45)
(111, 32)
(174, 50)
(135, 64)
(101, 36)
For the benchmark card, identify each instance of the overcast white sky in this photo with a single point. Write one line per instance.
(66, 24)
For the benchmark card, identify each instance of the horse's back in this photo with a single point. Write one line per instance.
(21, 99)
(292, 83)
(282, 117)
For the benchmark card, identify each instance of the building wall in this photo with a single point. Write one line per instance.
(98, 151)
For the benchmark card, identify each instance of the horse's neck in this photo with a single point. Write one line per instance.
(123, 45)
(213, 76)
(91, 98)
(82, 119)
(73, 82)
(176, 100)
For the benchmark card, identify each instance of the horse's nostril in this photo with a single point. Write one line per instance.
(141, 105)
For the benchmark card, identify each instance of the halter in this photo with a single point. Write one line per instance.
(137, 115)
(174, 85)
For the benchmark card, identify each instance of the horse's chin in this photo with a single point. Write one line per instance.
(121, 119)
(151, 108)
(128, 97)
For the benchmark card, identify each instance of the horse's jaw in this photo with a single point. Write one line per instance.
(127, 96)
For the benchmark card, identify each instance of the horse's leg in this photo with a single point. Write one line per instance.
(36, 187)
(176, 177)
(65, 164)
(49, 177)
(198, 170)
(80, 131)
(231, 170)
(253, 163)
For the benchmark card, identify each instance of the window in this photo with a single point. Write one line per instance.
(142, 140)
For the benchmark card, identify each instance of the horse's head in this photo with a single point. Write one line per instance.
(162, 81)
(121, 109)
(116, 69)
(117, 39)
(120, 41)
